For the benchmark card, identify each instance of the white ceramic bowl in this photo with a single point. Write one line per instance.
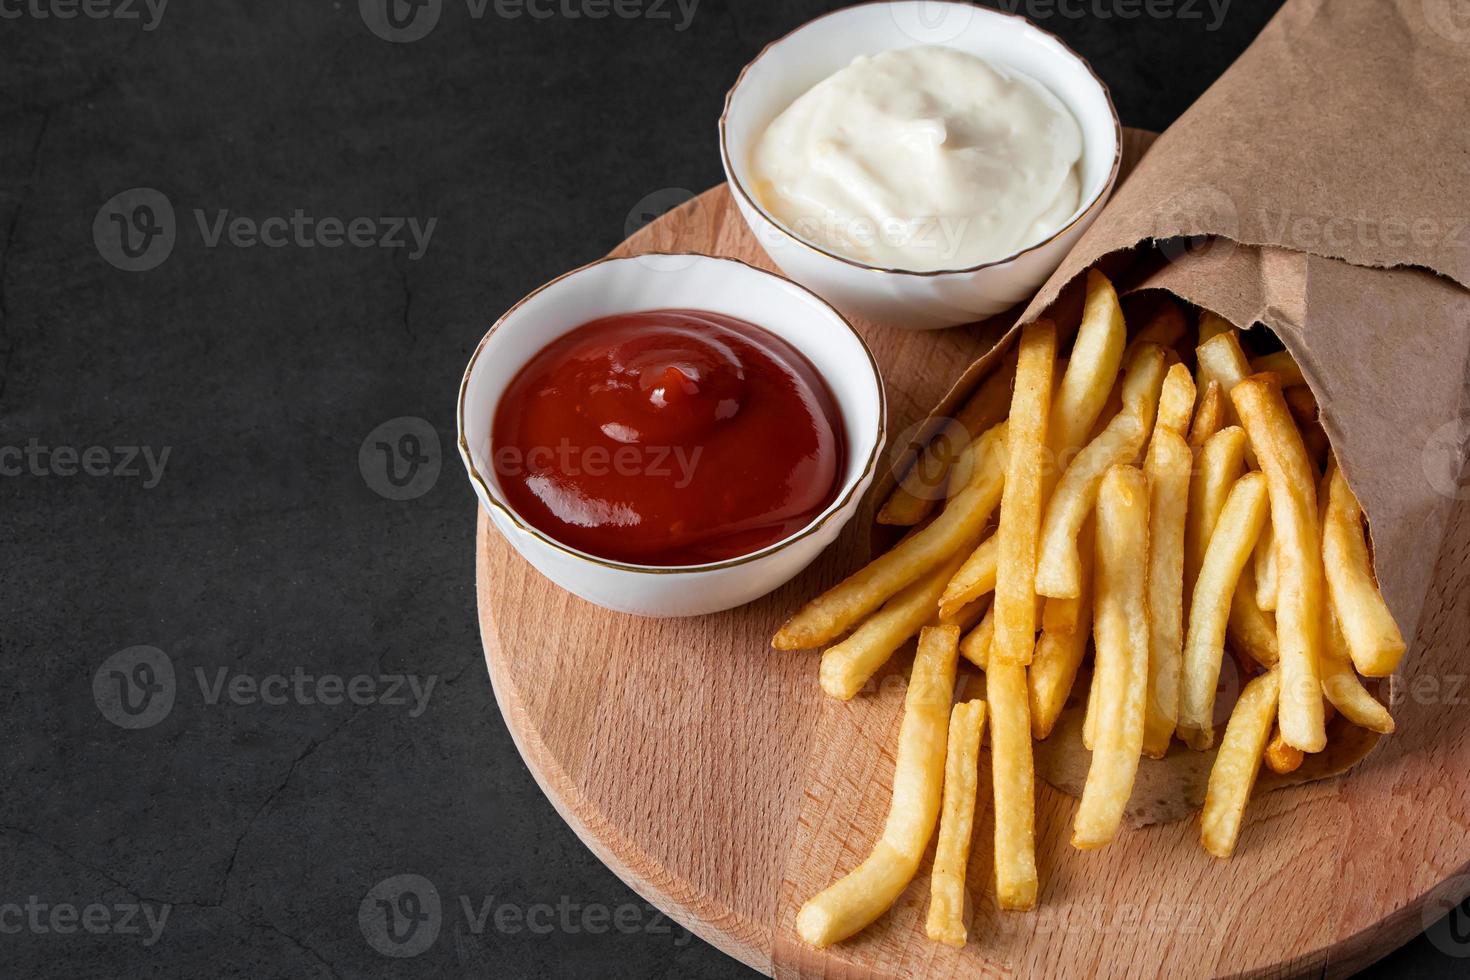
(894, 297)
(650, 282)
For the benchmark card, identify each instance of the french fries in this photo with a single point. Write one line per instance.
(1233, 775)
(1230, 547)
(847, 666)
(1059, 652)
(1013, 775)
(955, 529)
(975, 647)
(1020, 516)
(918, 773)
(1373, 638)
(1057, 572)
(1202, 512)
(1121, 631)
(973, 579)
(922, 486)
(1220, 463)
(1264, 563)
(1168, 466)
(946, 922)
(1280, 757)
(1293, 491)
(1209, 415)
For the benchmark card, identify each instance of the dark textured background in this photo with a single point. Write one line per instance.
(264, 549)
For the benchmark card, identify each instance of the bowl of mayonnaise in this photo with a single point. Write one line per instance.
(920, 164)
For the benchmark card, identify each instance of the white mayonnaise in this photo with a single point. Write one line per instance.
(922, 159)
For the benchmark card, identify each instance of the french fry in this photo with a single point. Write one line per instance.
(869, 889)
(1238, 763)
(1057, 571)
(1211, 325)
(1168, 467)
(922, 487)
(955, 529)
(1059, 652)
(1221, 359)
(975, 647)
(946, 922)
(1264, 563)
(1373, 638)
(1021, 504)
(1176, 401)
(968, 616)
(1341, 685)
(1252, 630)
(1280, 757)
(847, 666)
(1293, 491)
(1062, 615)
(1014, 778)
(1230, 547)
(1209, 417)
(1121, 631)
(1220, 463)
(973, 579)
(1097, 352)
(1281, 364)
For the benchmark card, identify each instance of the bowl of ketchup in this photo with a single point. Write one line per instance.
(671, 435)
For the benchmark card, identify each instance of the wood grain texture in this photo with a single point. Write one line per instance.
(708, 771)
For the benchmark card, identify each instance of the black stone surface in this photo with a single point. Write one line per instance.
(258, 548)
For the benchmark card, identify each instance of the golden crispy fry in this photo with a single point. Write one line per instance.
(1166, 324)
(1014, 775)
(1222, 360)
(1121, 630)
(1059, 652)
(1096, 355)
(954, 530)
(975, 647)
(870, 888)
(1168, 467)
(1220, 463)
(1341, 685)
(1230, 547)
(973, 579)
(847, 666)
(1209, 417)
(1280, 757)
(1281, 364)
(1292, 485)
(1239, 761)
(1252, 630)
(1176, 400)
(922, 486)
(1263, 561)
(1373, 638)
(1020, 512)
(946, 922)
(1057, 572)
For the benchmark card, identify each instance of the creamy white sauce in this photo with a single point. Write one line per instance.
(921, 159)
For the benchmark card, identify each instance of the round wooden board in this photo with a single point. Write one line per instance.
(711, 775)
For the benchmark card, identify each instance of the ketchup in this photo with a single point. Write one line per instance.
(668, 437)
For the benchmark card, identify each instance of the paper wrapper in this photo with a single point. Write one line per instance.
(1329, 170)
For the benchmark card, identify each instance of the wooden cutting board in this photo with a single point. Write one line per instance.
(711, 775)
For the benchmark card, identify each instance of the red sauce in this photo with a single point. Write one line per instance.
(668, 437)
